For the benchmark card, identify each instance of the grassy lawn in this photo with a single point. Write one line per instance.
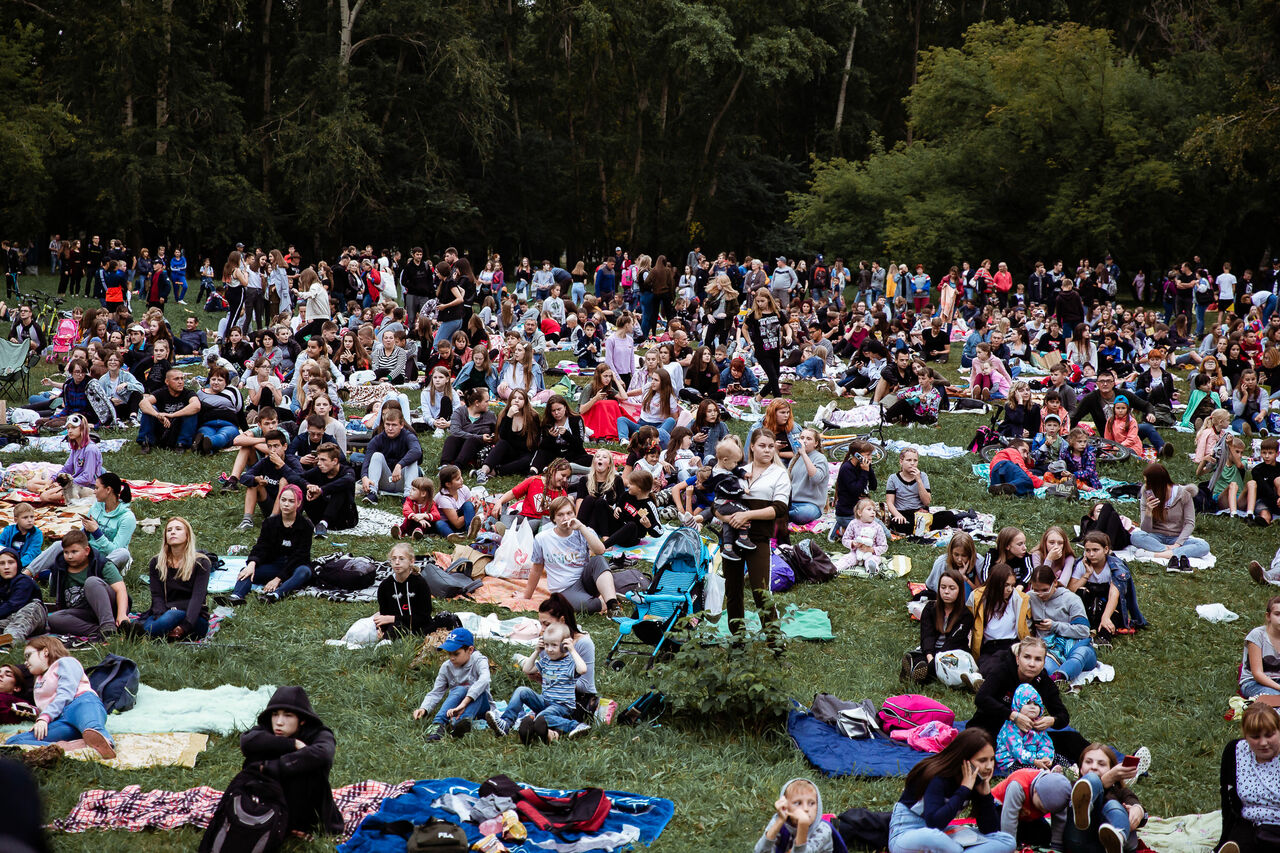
(1170, 692)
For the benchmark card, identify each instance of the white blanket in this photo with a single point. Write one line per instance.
(222, 710)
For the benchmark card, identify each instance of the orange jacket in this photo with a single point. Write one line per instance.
(1010, 454)
(1125, 433)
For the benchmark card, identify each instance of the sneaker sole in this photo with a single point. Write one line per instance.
(99, 742)
(494, 725)
(1255, 572)
(1081, 803)
(1110, 838)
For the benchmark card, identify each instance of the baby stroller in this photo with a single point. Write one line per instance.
(679, 570)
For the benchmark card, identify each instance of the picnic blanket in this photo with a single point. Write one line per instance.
(982, 472)
(518, 629)
(1188, 833)
(138, 751)
(58, 444)
(147, 490)
(509, 593)
(633, 819)
(132, 810)
(222, 710)
(796, 623)
(54, 521)
(1132, 554)
(938, 450)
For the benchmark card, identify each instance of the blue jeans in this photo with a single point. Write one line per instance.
(261, 574)
(451, 701)
(811, 368)
(626, 426)
(150, 431)
(1268, 309)
(1200, 309)
(908, 833)
(648, 313)
(446, 330)
(39, 399)
(577, 292)
(1148, 433)
(80, 714)
(219, 433)
(525, 698)
(158, 626)
(837, 530)
(468, 512)
(801, 512)
(1005, 471)
(1250, 688)
(1257, 422)
(1101, 810)
(1081, 658)
(1157, 542)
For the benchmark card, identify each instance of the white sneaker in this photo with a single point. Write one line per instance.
(1110, 839)
(1144, 762)
(182, 302)
(579, 730)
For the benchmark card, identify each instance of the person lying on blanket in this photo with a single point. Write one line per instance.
(293, 746)
(70, 712)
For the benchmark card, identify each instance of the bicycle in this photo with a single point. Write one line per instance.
(876, 439)
(1105, 450)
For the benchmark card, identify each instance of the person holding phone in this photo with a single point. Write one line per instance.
(939, 789)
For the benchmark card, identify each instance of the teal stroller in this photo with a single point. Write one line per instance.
(680, 568)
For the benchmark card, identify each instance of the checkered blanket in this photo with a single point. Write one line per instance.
(133, 810)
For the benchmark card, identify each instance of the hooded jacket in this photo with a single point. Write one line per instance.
(819, 841)
(16, 593)
(1065, 610)
(302, 773)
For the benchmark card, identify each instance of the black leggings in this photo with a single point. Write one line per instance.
(129, 405)
(718, 330)
(460, 450)
(906, 413)
(757, 568)
(506, 458)
(770, 361)
(597, 513)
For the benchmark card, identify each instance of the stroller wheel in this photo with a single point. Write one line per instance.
(617, 665)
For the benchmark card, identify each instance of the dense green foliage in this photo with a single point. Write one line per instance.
(549, 127)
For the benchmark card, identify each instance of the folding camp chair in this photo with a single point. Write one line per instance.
(14, 372)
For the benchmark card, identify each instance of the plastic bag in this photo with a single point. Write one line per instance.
(363, 632)
(950, 665)
(515, 555)
(713, 592)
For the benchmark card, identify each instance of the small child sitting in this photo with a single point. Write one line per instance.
(1016, 748)
(23, 536)
(865, 537)
(726, 485)
(1081, 459)
(636, 513)
(652, 463)
(797, 825)
(463, 684)
(420, 512)
(559, 663)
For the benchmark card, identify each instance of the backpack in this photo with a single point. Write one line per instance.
(252, 816)
(985, 435)
(576, 811)
(781, 576)
(646, 709)
(809, 562)
(115, 680)
(862, 828)
(448, 584)
(349, 573)
(911, 709)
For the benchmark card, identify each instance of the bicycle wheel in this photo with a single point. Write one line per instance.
(989, 451)
(1109, 451)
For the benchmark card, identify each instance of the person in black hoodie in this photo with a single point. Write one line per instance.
(265, 477)
(330, 496)
(292, 745)
(404, 599)
(22, 612)
(281, 558)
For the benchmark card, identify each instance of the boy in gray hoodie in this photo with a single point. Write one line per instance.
(797, 825)
(1058, 617)
(463, 684)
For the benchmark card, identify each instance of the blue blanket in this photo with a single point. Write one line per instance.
(836, 755)
(650, 815)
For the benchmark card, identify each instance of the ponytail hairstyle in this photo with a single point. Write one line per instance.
(118, 487)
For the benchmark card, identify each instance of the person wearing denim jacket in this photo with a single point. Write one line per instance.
(1102, 572)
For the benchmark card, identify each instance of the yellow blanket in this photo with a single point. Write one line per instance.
(136, 751)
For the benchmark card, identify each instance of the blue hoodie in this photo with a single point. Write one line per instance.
(30, 548)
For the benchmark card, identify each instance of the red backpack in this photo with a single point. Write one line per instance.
(578, 811)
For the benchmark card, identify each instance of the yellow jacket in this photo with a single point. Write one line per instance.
(980, 622)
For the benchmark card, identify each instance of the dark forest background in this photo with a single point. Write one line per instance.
(910, 129)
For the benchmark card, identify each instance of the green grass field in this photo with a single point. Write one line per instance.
(1170, 691)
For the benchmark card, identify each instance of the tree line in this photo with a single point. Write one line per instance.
(919, 129)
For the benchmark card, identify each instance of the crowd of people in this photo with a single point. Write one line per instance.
(482, 357)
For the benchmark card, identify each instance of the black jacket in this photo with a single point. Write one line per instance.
(1091, 406)
(409, 602)
(285, 548)
(994, 701)
(418, 279)
(189, 595)
(933, 641)
(337, 500)
(302, 773)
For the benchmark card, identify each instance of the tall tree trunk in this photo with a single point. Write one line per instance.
(711, 138)
(915, 56)
(162, 79)
(266, 97)
(604, 200)
(848, 70)
(347, 15)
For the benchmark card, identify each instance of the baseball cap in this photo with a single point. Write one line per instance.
(738, 364)
(1052, 417)
(617, 248)
(1120, 398)
(781, 259)
(459, 638)
(1053, 789)
(136, 328)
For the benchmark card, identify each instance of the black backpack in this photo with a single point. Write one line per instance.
(808, 562)
(437, 836)
(252, 816)
(115, 680)
(349, 573)
(448, 584)
(863, 829)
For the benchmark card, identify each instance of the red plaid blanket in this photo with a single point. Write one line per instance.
(149, 490)
(133, 810)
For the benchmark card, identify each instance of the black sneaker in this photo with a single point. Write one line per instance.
(1184, 563)
(1173, 565)
(497, 725)
(613, 609)
(435, 733)
(371, 498)
(525, 730)
(460, 728)
(745, 544)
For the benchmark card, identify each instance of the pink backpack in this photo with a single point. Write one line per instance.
(911, 709)
(931, 737)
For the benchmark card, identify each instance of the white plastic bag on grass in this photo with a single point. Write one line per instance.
(515, 555)
(363, 632)
(1216, 613)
